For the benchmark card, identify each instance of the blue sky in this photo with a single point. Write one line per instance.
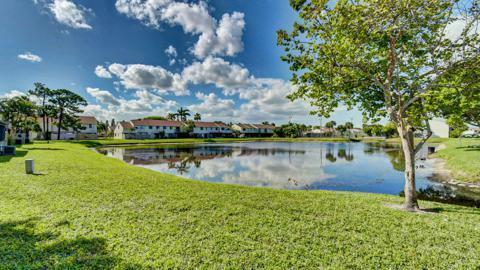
(223, 60)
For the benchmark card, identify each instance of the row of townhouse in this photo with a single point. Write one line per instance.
(156, 129)
(253, 130)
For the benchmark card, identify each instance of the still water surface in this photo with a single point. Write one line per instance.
(363, 167)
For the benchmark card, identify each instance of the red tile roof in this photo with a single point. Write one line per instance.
(164, 123)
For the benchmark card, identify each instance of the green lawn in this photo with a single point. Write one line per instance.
(462, 157)
(87, 211)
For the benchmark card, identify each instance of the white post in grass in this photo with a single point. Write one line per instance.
(29, 166)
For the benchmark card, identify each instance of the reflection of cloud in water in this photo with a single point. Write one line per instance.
(339, 166)
(275, 172)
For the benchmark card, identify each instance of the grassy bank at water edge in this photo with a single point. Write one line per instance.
(87, 211)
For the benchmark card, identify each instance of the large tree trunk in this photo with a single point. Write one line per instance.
(60, 118)
(408, 147)
(44, 118)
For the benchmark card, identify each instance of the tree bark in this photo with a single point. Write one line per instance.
(408, 147)
(59, 125)
(43, 117)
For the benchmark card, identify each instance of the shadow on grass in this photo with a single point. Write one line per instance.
(22, 248)
(88, 143)
(470, 211)
(44, 149)
(19, 153)
(470, 147)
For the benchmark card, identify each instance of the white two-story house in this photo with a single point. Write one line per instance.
(147, 129)
(88, 131)
(211, 130)
(253, 130)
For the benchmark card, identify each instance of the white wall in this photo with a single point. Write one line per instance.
(439, 128)
(89, 129)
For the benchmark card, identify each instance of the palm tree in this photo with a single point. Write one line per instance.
(197, 117)
(349, 125)
(183, 113)
(171, 116)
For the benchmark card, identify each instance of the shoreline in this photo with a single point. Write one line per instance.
(445, 176)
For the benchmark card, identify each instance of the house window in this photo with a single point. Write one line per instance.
(90, 126)
(171, 127)
(223, 128)
(201, 128)
(164, 127)
(150, 127)
(216, 128)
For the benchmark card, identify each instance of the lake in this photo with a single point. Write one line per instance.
(362, 167)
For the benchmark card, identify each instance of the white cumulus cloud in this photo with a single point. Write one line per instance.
(219, 72)
(213, 107)
(28, 56)
(102, 72)
(215, 38)
(141, 77)
(68, 13)
(103, 96)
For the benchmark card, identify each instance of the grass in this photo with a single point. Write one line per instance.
(462, 157)
(87, 211)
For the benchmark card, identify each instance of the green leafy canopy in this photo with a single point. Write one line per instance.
(398, 59)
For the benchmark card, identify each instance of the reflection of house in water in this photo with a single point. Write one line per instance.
(244, 151)
(146, 156)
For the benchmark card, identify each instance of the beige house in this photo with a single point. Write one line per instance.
(253, 130)
(124, 131)
(147, 129)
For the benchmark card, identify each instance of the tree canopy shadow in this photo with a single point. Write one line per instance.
(22, 248)
(19, 153)
(89, 144)
(44, 149)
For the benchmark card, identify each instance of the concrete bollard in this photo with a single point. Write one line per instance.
(29, 166)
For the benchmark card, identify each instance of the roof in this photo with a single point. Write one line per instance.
(86, 120)
(211, 124)
(264, 126)
(255, 126)
(149, 122)
(126, 125)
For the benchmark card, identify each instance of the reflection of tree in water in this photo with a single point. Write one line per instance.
(342, 153)
(447, 194)
(330, 157)
(197, 163)
(396, 159)
(392, 151)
